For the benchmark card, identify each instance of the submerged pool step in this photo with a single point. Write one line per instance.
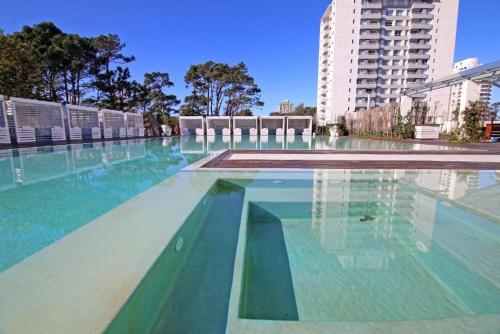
(188, 288)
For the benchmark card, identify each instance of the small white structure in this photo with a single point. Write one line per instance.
(83, 123)
(272, 125)
(192, 125)
(427, 131)
(299, 125)
(37, 121)
(112, 124)
(245, 125)
(218, 125)
(134, 123)
(4, 125)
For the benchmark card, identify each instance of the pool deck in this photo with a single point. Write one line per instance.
(475, 156)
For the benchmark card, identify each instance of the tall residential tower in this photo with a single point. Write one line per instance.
(371, 49)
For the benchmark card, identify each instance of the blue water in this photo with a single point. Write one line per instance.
(46, 193)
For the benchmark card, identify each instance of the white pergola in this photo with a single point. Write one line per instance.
(4, 125)
(218, 125)
(113, 124)
(192, 125)
(37, 121)
(134, 123)
(272, 125)
(83, 123)
(299, 125)
(245, 125)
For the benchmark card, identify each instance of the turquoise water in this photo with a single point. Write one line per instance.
(371, 250)
(327, 247)
(188, 288)
(215, 144)
(48, 192)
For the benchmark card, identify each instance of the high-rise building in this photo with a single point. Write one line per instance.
(285, 107)
(372, 49)
(464, 92)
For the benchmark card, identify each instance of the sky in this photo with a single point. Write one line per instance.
(277, 39)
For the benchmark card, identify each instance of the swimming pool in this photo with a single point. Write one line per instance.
(328, 251)
(118, 237)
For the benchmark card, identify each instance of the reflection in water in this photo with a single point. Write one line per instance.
(47, 192)
(211, 144)
(421, 252)
(394, 196)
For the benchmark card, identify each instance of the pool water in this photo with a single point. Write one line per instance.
(48, 192)
(287, 254)
(193, 144)
(303, 251)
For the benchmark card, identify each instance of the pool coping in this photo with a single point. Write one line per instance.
(79, 283)
(356, 159)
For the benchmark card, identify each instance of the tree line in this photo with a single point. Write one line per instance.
(42, 62)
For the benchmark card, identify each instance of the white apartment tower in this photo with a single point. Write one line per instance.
(464, 92)
(371, 49)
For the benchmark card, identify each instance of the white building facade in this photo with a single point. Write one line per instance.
(463, 93)
(285, 107)
(372, 49)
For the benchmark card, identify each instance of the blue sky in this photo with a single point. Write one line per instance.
(277, 39)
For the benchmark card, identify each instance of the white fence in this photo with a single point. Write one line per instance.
(192, 125)
(299, 125)
(272, 125)
(245, 125)
(134, 124)
(219, 125)
(37, 121)
(83, 123)
(112, 124)
(4, 125)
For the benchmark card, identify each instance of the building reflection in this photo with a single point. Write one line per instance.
(37, 164)
(370, 219)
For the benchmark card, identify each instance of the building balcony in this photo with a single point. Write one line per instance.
(422, 16)
(367, 85)
(418, 66)
(396, 17)
(423, 26)
(370, 26)
(389, 57)
(393, 67)
(419, 46)
(421, 5)
(375, 16)
(373, 5)
(392, 76)
(416, 75)
(389, 96)
(394, 47)
(368, 56)
(369, 46)
(367, 75)
(393, 38)
(368, 66)
(390, 86)
(391, 28)
(369, 36)
(418, 56)
(420, 36)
